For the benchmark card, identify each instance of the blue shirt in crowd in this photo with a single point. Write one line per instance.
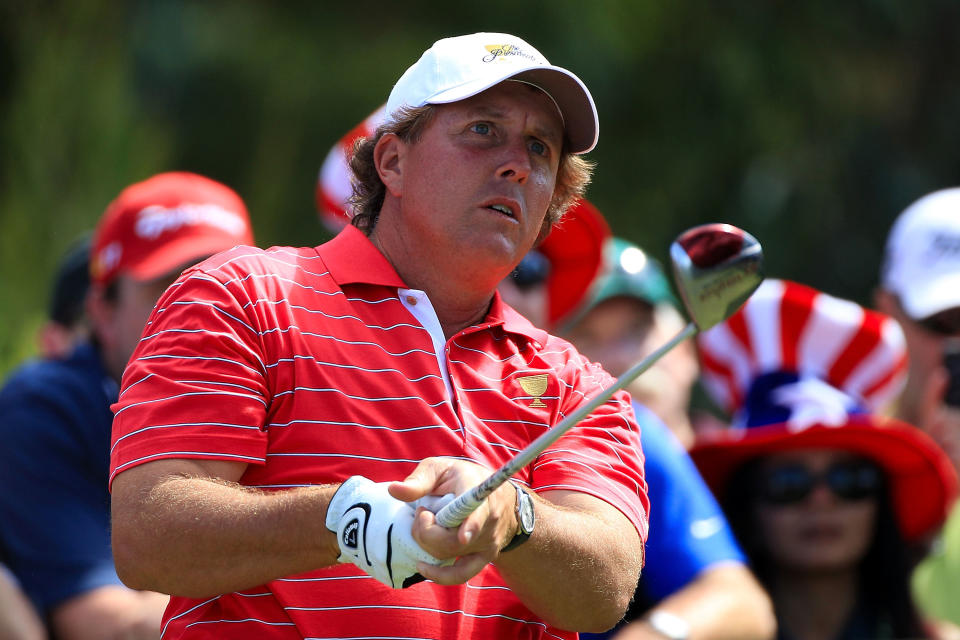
(54, 462)
(688, 531)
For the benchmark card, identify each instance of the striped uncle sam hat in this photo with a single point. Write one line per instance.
(799, 369)
(334, 183)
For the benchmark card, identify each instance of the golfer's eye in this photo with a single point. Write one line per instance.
(483, 128)
(539, 148)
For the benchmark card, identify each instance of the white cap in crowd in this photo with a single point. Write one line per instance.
(457, 68)
(922, 262)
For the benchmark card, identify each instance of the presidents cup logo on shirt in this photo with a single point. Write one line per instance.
(504, 51)
(155, 220)
(534, 386)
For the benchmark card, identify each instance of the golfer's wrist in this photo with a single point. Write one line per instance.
(328, 538)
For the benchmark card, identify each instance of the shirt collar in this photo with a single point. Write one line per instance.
(352, 258)
(503, 314)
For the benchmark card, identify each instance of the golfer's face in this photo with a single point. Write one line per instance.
(476, 186)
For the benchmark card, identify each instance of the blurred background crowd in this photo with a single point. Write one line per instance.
(812, 125)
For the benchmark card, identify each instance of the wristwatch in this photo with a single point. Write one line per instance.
(669, 625)
(526, 518)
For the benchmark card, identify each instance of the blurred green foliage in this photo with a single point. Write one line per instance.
(811, 124)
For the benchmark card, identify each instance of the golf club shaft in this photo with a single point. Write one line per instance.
(463, 505)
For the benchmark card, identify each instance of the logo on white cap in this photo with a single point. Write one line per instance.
(503, 51)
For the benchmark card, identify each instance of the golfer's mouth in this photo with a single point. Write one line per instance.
(508, 210)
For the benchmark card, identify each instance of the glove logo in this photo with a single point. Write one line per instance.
(353, 535)
(350, 532)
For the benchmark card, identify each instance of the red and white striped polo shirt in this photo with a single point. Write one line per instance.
(313, 365)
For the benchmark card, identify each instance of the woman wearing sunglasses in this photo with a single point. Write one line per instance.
(831, 500)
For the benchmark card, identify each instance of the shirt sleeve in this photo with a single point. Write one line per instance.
(54, 507)
(600, 456)
(688, 531)
(196, 385)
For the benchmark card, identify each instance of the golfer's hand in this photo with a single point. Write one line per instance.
(479, 539)
(374, 532)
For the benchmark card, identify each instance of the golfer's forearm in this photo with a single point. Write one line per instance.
(197, 537)
(579, 569)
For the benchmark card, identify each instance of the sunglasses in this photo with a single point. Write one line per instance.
(945, 323)
(532, 271)
(849, 481)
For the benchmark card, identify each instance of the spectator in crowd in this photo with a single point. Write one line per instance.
(66, 324)
(829, 498)
(289, 405)
(18, 618)
(920, 287)
(54, 465)
(630, 311)
(63, 329)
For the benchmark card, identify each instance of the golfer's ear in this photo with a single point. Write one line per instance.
(388, 158)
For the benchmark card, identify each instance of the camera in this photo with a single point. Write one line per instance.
(951, 361)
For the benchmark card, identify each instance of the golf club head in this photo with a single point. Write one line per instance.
(716, 267)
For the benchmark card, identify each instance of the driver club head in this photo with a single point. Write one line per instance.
(716, 267)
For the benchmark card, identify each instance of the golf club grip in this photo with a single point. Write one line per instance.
(463, 505)
(466, 503)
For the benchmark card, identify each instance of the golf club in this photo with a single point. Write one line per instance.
(716, 267)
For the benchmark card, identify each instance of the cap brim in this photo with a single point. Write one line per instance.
(179, 254)
(925, 298)
(567, 90)
(922, 481)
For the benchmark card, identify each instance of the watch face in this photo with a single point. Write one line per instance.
(527, 517)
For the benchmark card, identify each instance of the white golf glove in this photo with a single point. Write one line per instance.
(374, 531)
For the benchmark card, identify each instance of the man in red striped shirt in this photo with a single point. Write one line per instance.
(275, 393)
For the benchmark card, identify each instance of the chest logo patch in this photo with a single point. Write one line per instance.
(535, 386)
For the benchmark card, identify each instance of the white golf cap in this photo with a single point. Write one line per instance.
(457, 68)
(922, 262)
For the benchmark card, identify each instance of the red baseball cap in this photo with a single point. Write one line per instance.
(574, 248)
(167, 221)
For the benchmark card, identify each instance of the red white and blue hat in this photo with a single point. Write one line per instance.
(334, 183)
(800, 369)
